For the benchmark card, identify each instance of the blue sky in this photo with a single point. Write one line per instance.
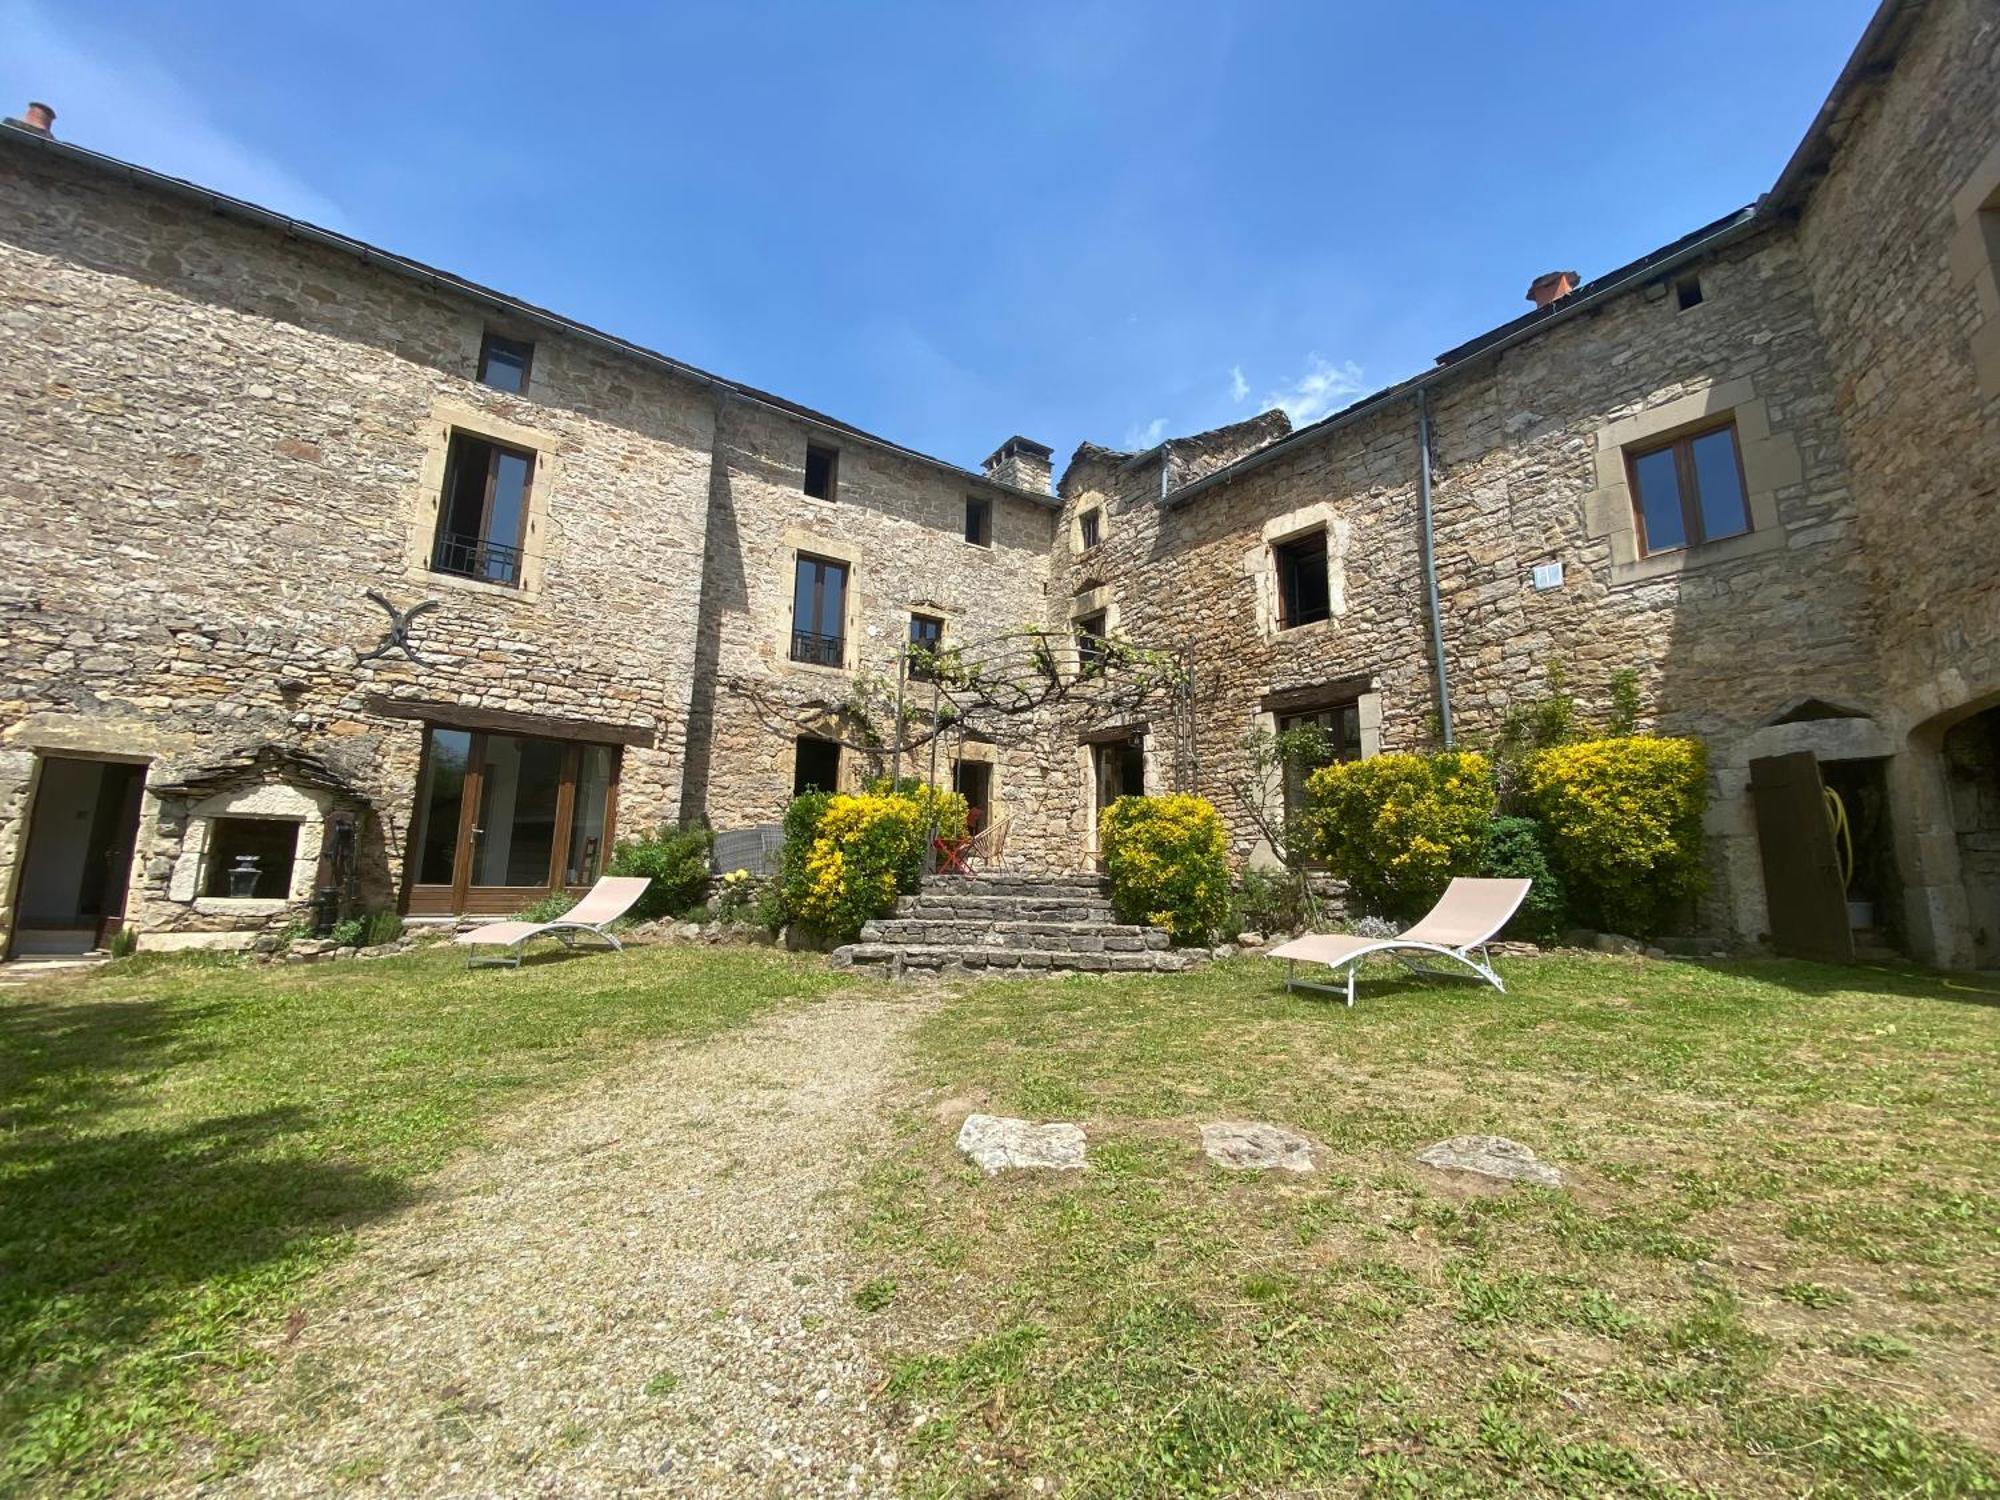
(952, 222)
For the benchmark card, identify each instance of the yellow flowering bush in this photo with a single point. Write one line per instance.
(1396, 828)
(846, 858)
(1624, 820)
(1168, 863)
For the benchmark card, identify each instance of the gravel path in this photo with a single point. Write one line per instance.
(640, 1290)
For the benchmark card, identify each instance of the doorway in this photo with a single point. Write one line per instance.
(1118, 769)
(503, 820)
(78, 861)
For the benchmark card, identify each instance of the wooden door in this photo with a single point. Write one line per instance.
(1802, 884)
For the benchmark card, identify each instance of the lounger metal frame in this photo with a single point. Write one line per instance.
(1482, 966)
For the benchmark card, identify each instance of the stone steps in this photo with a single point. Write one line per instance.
(919, 958)
(1011, 923)
(1055, 937)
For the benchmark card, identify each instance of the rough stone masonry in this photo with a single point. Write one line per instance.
(660, 594)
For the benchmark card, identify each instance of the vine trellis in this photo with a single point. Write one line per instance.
(1003, 689)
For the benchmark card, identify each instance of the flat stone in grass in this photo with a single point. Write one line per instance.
(1490, 1156)
(1252, 1146)
(997, 1142)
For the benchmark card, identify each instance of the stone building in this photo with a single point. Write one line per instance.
(321, 569)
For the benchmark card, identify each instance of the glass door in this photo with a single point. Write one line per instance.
(501, 820)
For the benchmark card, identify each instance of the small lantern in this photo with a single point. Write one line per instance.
(243, 876)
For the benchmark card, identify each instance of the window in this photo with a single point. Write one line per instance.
(483, 514)
(503, 363)
(1689, 491)
(819, 612)
(1090, 644)
(822, 471)
(815, 766)
(926, 638)
(1336, 735)
(1302, 590)
(259, 849)
(1687, 292)
(1090, 527)
(978, 521)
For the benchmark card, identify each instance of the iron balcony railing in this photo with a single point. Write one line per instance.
(820, 650)
(472, 557)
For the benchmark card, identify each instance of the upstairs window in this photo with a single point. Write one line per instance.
(1090, 645)
(504, 362)
(1090, 527)
(483, 513)
(978, 521)
(1689, 491)
(1303, 597)
(819, 612)
(822, 471)
(1687, 292)
(926, 638)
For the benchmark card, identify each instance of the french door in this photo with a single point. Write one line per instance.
(502, 820)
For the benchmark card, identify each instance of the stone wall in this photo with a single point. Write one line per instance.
(1903, 273)
(1520, 474)
(217, 441)
(899, 525)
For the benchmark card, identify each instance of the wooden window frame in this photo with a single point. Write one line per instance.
(453, 456)
(1681, 445)
(918, 670)
(1090, 527)
(982, 507)
(1343, 749)
(818, 601)
(832, 473)
(443, 900)
(526, 349)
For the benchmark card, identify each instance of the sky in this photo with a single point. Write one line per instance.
(951, 222)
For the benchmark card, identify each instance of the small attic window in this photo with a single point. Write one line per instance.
(1687, 292)
(822, 471)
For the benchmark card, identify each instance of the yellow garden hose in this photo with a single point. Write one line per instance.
(1843, 836)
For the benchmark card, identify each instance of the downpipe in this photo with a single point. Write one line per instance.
(1428, 541)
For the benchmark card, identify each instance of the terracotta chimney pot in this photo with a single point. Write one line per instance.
(1550, 286)
(40, 116)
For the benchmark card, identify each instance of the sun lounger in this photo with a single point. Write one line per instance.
(1467, 917)
(606, 902)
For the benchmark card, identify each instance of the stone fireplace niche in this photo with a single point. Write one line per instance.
(246, 841)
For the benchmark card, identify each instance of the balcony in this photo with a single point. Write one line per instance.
(819, 650)
(473, 557)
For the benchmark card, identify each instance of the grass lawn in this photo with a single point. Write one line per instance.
(182, 1142)
(1774, 1269)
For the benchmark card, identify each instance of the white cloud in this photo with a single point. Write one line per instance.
(1239, 388)
(124, 103)
(1324, 387)
(1137, 439)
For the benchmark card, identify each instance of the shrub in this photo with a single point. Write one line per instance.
(1267, 901)
(946, 809)
(1516, 848)
(1397, 828)
(676, 860)
(1168, 864)
(381, 926)
(555, 904)
(847, 858)
(1624, 824)
(125, 942)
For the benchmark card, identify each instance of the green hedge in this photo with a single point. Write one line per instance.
(1517, 848)
(1624, 827)
(676, 860)
(1167, 862)
(1396, 828)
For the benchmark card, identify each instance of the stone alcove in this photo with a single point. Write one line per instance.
(276, 805)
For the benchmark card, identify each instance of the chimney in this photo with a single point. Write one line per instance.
(1551, 287)
(1023, 463)
(38, 118)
